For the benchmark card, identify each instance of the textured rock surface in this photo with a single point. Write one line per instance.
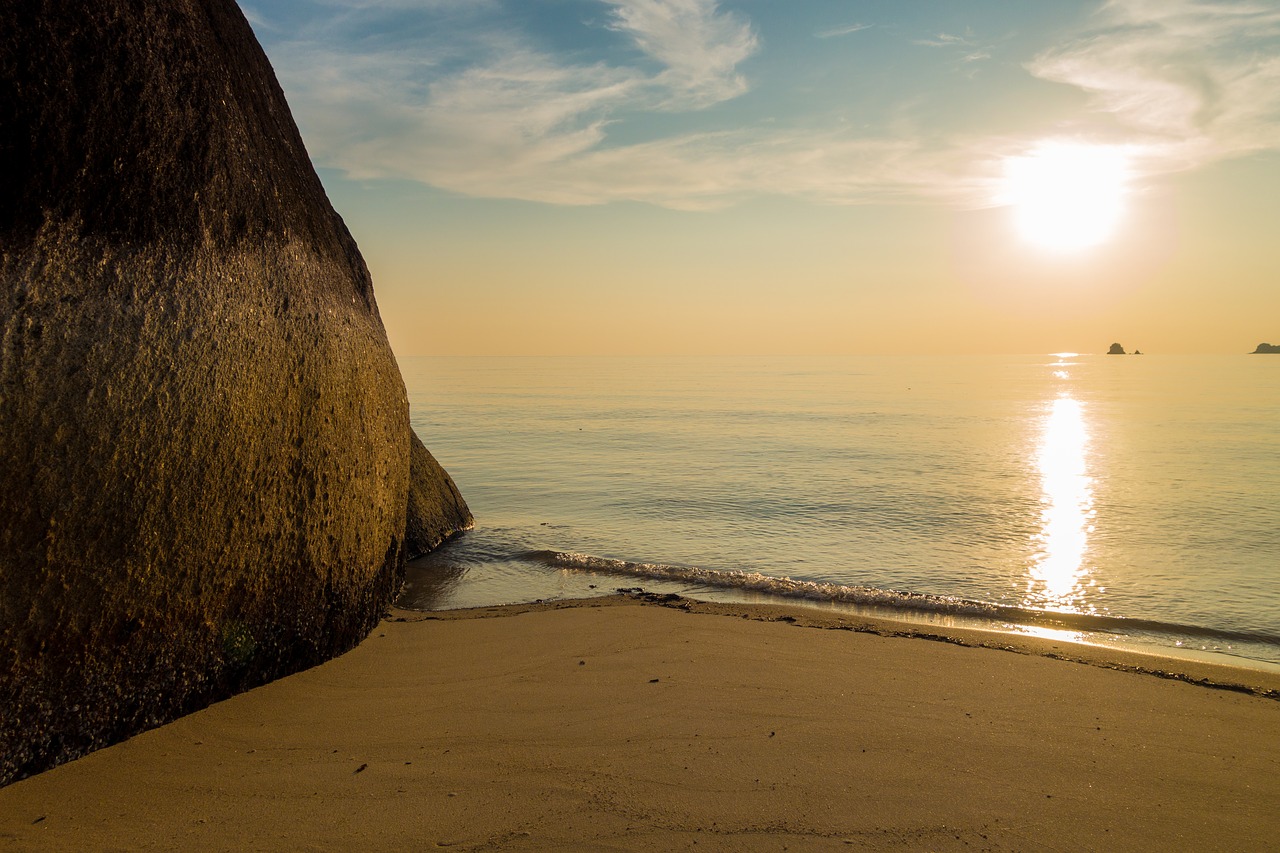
(204, 437)
(435, 511)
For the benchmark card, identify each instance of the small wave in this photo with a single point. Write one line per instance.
(909, 602)
(757, 582)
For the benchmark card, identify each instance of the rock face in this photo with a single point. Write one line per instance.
(436, 509)
(205, 454)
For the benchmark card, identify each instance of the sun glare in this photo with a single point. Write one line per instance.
(1066, 196)
(1060, 572)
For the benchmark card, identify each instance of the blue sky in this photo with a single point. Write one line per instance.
(788, 109)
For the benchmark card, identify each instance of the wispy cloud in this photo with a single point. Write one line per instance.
(944, 40)
(842, 31)
(711, 170)
(259, 21)
(1192, 82)
(511, 120)
(699, 45)
(482, 108)
(969, 50)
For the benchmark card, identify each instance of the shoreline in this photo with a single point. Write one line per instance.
(1243, 647)
(653, 722)
(1189, 666)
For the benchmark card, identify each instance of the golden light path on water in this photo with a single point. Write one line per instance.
(1058, 573)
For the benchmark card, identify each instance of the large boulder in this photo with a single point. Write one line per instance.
(205, 451)
(436, 509)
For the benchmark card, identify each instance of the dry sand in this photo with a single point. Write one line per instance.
(623, 724)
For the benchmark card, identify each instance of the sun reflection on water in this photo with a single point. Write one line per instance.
(1059, 634)
(1058, 574)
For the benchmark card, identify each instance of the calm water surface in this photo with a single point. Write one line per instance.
(1093, 497)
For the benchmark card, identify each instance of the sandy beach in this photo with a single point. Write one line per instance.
(633, 724)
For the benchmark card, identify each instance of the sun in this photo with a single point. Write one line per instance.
(1066, 196)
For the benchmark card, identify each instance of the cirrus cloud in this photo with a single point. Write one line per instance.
(484, 108)
(1190, 82)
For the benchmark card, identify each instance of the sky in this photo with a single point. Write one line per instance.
(798, 177)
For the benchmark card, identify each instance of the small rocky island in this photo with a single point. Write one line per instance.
(1267, 348)
(1116, 349)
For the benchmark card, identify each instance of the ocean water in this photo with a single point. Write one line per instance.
(1112, 499)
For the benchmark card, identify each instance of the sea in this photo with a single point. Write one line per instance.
(1127, 500)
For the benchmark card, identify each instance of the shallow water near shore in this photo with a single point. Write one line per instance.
(1097, 498)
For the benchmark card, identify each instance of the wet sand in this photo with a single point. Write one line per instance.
(633, 724)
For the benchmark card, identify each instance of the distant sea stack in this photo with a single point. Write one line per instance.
(206, 464)
(1267, 348)
(1116, 349)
